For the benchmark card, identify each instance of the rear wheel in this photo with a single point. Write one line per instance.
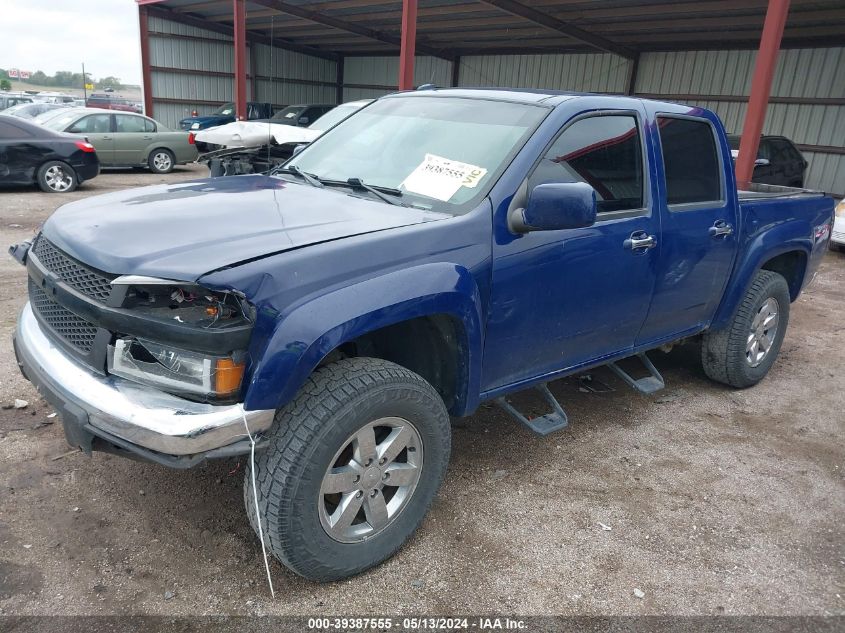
(353, 466)
(57, 177)
(742, 354)
(161, 161)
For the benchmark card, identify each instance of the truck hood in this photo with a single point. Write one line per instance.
(185, 230)
(254, 133)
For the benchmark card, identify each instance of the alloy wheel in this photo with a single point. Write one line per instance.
(761, 336)
(370, 480)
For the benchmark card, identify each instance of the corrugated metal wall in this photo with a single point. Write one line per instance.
(370, 77)
(583, 73)
(192, 70)
(803, 76)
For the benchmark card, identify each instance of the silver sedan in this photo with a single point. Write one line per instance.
(125, 139)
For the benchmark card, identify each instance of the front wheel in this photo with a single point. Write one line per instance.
(161, 161)
(352, 467)
(743, 353)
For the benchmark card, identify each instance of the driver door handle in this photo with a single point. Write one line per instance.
(720, 229)
(640, 240)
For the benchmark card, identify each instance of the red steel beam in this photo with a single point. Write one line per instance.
(409, 44)
(761, 87)
(146, 73)
(239, 12)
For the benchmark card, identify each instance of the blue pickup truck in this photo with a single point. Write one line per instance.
(437, 249)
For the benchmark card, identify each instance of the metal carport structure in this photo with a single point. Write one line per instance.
(197, 54)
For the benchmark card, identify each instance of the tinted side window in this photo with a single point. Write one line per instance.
(690, 161)
(603, 151)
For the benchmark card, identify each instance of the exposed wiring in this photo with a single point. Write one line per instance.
(255, 500)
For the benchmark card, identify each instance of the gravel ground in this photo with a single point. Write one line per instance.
(705, 499)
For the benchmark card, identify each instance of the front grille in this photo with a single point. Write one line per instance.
(74, 274)
(73, 329)
(838, 236)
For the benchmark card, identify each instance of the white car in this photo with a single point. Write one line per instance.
(837, 238)
(257, 133)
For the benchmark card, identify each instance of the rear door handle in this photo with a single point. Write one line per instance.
(106, 138)
(720, 229)
(148, 138)
(640, 240)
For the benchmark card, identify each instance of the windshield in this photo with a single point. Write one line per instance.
(44, 117)
(442, 153)
(334, 116)
(289, 114)
(225, 110)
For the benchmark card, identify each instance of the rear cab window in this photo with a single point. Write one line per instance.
(691, 165)
(605, 151)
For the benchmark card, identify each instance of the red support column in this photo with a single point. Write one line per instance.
(409, 44)
(146, 74)
(761, 87)
(239, 11)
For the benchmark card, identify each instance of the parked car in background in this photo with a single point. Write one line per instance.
(8, 99)
(125, 139)
(301, 115)
(53, 97)
(110, 102)
(226, 114)
(32, 110)
(837, 236)
(778, 161)
(253, 133)
(32, 154)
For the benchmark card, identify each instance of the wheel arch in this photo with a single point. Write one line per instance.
(426, 319)
(789, 259)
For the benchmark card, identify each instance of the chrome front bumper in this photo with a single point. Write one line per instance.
(140, 416)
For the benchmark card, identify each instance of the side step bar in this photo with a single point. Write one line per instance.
(649, 384)
(557, 420)
(544, 424)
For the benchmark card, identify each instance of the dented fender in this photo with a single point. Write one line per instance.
(310, 331)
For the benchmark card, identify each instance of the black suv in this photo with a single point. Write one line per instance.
(778, 161)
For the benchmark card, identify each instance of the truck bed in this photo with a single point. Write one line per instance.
(756, 191)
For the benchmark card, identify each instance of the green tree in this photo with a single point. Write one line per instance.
(110, 82)
(39, 78)
(5, 84)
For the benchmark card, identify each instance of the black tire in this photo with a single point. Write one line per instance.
(161, 161)
(336, 402)
(723, 352)
(56, 176)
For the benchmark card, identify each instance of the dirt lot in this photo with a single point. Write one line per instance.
(717, 501)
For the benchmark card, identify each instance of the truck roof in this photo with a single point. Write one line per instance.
(550, 98)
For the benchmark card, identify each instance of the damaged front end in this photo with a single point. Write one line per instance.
(153, 366)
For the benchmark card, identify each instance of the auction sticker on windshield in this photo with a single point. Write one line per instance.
(440, 178)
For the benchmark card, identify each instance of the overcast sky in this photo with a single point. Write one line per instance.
(53, 35)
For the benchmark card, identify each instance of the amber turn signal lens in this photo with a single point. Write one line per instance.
(227, 376)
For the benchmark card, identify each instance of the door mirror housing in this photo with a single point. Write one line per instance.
(762, 162)
(556, 206)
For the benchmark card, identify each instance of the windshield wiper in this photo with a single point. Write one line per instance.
(312, 180)
(383, 193)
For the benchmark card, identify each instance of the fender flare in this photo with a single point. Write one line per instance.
(306, 334)
(759, 250)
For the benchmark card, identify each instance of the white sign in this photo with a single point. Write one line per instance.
(440, 178)
(14, 73)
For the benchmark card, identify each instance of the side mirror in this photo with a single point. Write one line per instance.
(298, 148)
(762, 162)
(304, 120)
(556, 206)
